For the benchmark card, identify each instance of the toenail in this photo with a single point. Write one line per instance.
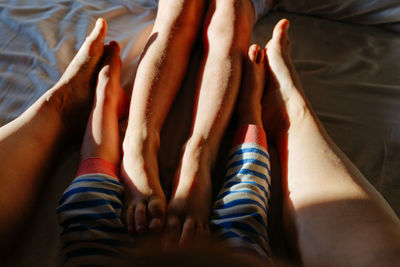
(113, 43)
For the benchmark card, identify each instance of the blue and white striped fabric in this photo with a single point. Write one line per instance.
(240, 213)
(90, 214)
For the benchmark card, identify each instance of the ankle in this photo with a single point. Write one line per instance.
(297, 107)
(53, 107)
(141, 141)
(200, 150)
(68, 104)
(249, 114)
(296, 111)
(56, 100)
(280, 115)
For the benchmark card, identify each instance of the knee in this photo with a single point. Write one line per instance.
(179, 17)
(230, 22)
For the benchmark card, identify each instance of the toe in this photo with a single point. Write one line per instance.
(156, 213)
(111, 67)
(261, 60)
(115, 60)
(202, 235)
(279, 36)
(254, 53)
(171, 233)
(280, 28)
(92, 49)
(95, 40)
(188, 232)
(80, 72)
(140, 218)
(129, 217)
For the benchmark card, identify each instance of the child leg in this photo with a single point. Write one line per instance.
(332, 215)
(227, 30)
(159, 76)
(91, 207)
(241, 210)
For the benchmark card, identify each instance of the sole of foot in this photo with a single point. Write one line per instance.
(73, 93)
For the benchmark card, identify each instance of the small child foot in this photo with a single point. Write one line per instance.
(190, 203)
(102, 139)
(248, 107)
(145, 203)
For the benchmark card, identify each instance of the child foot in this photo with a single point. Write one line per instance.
(283, 101)
(145, 203)
(74, 91)
(249, 102)
(101, 139)
(190, 203)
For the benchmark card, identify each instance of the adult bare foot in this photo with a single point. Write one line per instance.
(102, 139)
(73, 93)
(283, 100)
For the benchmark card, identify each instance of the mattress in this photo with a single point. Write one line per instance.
(350, 74)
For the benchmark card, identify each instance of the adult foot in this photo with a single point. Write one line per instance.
(283, 101)
(74, 91)
(101, 138)
(248, 107)
(190, 203)
(145, 203)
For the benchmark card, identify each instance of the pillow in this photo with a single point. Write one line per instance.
(370, 12)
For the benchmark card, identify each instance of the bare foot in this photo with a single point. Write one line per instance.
(73, 93)
(102, 138)
(283, 99)
(145, 203)
(190, 203)
(248, 107)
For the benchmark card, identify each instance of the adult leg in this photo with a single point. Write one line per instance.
(332, 215)
(227, 30)
(158, 79)
(28, 142)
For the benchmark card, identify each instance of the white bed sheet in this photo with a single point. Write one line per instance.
(350, 74)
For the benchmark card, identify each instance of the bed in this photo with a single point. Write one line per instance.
(347, 55)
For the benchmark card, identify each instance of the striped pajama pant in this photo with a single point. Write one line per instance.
(91, 207)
